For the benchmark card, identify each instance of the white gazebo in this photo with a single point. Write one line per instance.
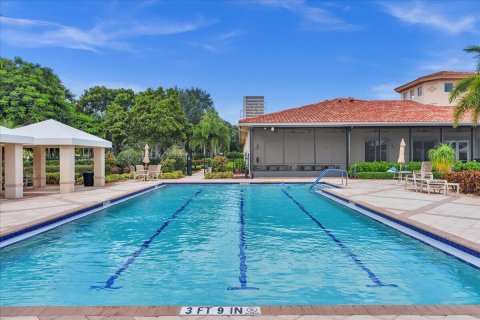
(49, 134)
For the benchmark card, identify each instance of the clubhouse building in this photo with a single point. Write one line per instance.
(334, 133)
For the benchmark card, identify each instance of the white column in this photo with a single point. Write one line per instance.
(67, 169)
(1, 169)
(13, 171)
(39, 169)
(99, 167)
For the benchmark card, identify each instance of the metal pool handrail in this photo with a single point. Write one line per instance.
(324, 173)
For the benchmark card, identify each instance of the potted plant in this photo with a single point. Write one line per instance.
(442, 158)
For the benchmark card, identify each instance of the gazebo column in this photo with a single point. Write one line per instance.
(1, 168)
(67, 169)
(39, 165)
(13, 171)
(99, 167)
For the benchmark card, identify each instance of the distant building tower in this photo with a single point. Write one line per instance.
(253, 106)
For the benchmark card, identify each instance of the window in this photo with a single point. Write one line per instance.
(448, 87)
(412, 94)
(375, 150)
(462, 149)
(420, 149)
(405, 96)
(419, 91)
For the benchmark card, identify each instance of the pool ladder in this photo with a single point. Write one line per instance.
(325, 172)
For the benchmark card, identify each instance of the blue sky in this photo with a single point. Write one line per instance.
(292, 52)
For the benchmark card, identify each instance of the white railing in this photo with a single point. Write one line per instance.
(325, 172)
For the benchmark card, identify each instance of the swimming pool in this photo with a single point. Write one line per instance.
(230, 245)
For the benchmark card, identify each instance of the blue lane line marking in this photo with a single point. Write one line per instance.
(242, 247)
(377, 282)
(109, 283)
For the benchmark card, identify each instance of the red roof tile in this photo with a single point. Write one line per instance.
(352, 111)
(436, 75)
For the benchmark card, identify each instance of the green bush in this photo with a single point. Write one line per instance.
(219, 175)
(219, 164)
(381, 166)
(375, 175)
(237, 166)
(168, 165)
(118, 177)
(54, 178)
(172, 175)
(469, 180)
(179, 155)
(442, 158)
(129, 157)
(234, 155)
(466, 166)
(110, 162)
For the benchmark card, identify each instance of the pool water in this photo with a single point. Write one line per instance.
(230, 245)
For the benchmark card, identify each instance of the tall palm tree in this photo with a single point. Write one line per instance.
(210, 134)
(466, 93)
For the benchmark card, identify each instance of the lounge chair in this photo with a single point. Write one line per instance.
(154, 171)
(424, 179)
(131, 169)
(140, 172)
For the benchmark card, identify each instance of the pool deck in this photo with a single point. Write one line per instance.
(343, 312)
(453, 217)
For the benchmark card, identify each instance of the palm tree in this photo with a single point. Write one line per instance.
(210, 134)
(467, 93)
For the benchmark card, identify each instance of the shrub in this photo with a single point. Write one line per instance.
(172, 175)
(54, 178)
(442, 158)
(168, 165)
(179, 155)
(234, 155)
(385, 175)
(110, 162)
(381, 166)
(465, 166)
(469, 180)
(219, 164)
(375, 175)
(118, 177)
(129, 157)
(219, 175)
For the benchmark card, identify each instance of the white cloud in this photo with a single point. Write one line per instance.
(216, 43)
(312, 16)
(416, 13)
(30, 33)
(344, 58)
(449, 64)
(385, 91)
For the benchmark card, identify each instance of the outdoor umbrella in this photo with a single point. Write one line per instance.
(146, 160)
(401, 156)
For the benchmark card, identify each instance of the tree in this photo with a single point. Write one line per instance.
(96, 99)
(30, 93)
(158, 119)
(195, 102)
(466, 93)
(210, 133)
(115, 125)
(233, 133)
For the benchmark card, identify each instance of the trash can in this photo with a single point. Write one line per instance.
(88, 178)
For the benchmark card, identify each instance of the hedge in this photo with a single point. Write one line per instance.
(381, 166)
(469, 180)
(118, 177)
(172, 175)
(219, 175)
(466, 166)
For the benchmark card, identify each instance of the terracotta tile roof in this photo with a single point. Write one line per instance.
(436, 75)
(352, 111)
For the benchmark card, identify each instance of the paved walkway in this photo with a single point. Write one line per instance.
(458, 216)
(282, 317)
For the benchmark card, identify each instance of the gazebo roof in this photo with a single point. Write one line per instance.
(11, 136)
(54, 133)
